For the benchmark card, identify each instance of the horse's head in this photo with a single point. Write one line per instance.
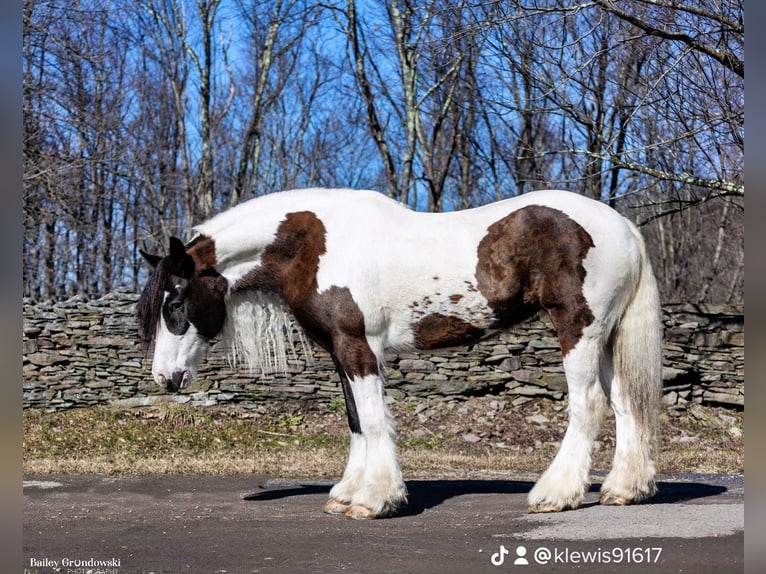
(181, 308)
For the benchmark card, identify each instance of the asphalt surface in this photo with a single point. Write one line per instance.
(206, 524)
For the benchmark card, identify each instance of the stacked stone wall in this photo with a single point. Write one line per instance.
(81, 353)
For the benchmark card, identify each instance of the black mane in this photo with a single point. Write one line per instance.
(149, 306)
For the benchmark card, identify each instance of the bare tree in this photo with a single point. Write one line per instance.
(205, 193)
(276, 31)
(163, 76)
(423, 93)
(522, 143)
(726, 16)
(75, 78)
(378, 131)
(701, 46)
(141, 118)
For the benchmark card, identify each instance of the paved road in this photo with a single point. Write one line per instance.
(210, 524)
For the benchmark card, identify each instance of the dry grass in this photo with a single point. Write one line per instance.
(309, 440)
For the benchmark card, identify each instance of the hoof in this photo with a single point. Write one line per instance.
(546, 507)
(358, 512)
(334, 506)
(609, 499)
(543, 508)
(625, 497)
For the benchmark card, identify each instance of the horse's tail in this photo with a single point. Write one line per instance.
(637, 350)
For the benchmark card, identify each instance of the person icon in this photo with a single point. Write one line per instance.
(521, 552)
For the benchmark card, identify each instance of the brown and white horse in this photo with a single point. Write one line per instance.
(361, 274)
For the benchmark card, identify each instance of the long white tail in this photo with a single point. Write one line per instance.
(637, 351)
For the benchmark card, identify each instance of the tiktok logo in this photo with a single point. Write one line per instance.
(499, 557)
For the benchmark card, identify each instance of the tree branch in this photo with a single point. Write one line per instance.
(726, 58)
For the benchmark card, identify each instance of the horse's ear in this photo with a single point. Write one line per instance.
(177, 249)
(151, 259)
(182, 261)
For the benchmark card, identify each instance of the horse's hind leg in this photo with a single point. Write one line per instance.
(563, 485)
(632, 476)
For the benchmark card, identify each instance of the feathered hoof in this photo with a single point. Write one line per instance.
(543, 507)
(616, 496)
(359, 512)
(335, 506)
(609, 499)
(362, 512)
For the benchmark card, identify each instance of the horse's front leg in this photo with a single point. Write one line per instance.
(342, 493)
(372, 485)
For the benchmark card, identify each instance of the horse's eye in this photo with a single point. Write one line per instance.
(175, 305)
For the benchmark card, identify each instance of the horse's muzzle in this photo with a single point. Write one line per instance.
(177, 381)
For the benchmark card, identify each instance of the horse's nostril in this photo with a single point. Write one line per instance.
(174, 382)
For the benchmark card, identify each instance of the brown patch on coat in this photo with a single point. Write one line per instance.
(334, 320)
(289, 267)
(202, 251)
(207, 307)
(289, 264)
(437, 330)
(455, 299)
(532, 259)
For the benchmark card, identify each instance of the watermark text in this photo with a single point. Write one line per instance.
(565, 555)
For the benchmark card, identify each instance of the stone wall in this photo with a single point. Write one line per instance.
(81, 353)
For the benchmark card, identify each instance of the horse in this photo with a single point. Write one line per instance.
(361, 273)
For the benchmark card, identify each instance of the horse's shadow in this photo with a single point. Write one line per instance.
(427, 494)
